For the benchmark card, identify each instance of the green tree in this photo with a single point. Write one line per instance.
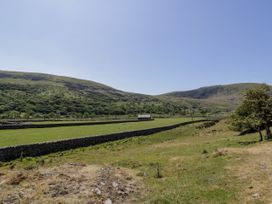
(255, 111)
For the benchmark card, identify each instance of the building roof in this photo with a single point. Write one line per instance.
(144, 116)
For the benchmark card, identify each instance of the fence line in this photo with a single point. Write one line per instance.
(32, 150)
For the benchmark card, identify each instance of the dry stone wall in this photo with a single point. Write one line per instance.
(33, 150)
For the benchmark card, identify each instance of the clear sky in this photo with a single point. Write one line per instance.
(146, 46)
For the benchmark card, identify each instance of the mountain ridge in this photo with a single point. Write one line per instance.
(214, 88)
(223, 96)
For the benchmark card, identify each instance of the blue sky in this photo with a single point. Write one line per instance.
(146, 46)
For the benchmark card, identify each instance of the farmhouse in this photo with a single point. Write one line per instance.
(145, 117)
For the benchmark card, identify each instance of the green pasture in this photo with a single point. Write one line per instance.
(38, 135)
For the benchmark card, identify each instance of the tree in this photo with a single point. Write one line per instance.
(243, 123)
(255, 112)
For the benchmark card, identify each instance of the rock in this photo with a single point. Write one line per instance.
(120, 192)
(114, 184)
(97, 191)
(108, 201)
(256, 195)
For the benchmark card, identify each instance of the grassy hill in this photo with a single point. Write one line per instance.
(221, 97)
(24, 95)
(42, 95)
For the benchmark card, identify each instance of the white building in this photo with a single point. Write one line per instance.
(145, 117)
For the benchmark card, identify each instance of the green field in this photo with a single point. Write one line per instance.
(36, 135)
(192, 170)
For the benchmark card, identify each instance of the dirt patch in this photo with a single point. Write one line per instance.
(170, 144)
(220, 153)
(253, 170)
(263, 148)
(16, 179)
(69, 183)
(180, 158)
(115, 184)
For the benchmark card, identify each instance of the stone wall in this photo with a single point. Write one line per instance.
(25, 126)
(32, 150)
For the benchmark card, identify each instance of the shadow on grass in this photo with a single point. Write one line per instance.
(248, 142)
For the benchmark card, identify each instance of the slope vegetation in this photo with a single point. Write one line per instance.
(42, 95)
(24, 95)
(221, 96)
(184, 165)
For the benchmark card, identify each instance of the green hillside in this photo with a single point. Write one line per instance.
(221, 97)
(24, 95)
(35, 95)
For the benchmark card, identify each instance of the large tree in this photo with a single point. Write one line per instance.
(255, 111)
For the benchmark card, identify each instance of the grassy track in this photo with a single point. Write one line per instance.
(29, 136)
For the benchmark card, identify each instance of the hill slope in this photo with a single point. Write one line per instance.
(24, 95)
(42, 95)
(225, 97)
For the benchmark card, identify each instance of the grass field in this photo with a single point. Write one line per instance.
(210, 166)
(29, 136)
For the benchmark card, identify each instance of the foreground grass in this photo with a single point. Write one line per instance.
(190, 169)
(36, 135)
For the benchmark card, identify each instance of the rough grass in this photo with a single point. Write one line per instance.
(210, 166)
(36, 135)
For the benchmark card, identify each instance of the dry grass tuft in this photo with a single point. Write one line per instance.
(253, 170)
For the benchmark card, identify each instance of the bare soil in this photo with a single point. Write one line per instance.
(253, 169)
(69, 183)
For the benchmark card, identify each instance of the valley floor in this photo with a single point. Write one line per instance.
(40, 135)
(185, 165)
